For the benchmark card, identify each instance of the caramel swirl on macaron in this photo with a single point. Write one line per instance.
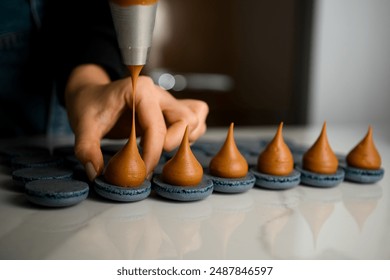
(365, 155)
(229, 162)
(183, 169)
(320, 158)
(276, 159)
(126, 168)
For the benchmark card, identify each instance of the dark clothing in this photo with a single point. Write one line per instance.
(41, 41)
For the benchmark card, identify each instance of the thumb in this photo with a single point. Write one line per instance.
(88, 152)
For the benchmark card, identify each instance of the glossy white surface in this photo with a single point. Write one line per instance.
(349, 221)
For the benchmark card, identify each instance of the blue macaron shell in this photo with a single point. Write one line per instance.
(321, 180)
(183, 193)
(25, 175)
(276, 182)
(122, 194)
(56, 193)
(8, 153)
(363, 176)
(233, 185)
(210, 148)
(36, 161)
(62, 151)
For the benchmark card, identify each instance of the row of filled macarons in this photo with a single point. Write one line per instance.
(182, 177)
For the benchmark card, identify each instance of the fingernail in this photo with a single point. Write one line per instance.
(90, 170)
(150, 175)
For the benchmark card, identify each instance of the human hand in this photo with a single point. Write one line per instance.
(99, 108)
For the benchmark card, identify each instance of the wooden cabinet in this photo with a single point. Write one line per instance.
(259, 51)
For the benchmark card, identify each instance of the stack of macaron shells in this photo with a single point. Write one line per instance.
(24, 175)
(36, 161)
(10, 153)
(56, 192)
(44, 178)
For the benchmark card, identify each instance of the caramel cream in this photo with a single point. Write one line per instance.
(126, 168)
(277, 158)
(365, 155)
(229, 162)
(320, 158)
(125, 3)
(183, 169)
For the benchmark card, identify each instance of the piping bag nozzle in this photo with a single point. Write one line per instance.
(134, 24)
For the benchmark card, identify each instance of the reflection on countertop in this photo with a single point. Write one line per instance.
(259, 224)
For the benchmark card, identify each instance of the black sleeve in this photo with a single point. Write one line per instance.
(82, 32)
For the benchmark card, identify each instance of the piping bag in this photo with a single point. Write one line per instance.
(134, 24)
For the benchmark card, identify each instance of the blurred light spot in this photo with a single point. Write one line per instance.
(213, 82)
(193, 81)
(166, 81)
(181, 83)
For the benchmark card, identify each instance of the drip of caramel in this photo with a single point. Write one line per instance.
(126, 168)
(320, 158)
(365, 155)
(276, 159)
(229, 162)
(183, 169)
(135, 70)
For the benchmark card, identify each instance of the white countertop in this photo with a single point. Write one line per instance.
(349, 221)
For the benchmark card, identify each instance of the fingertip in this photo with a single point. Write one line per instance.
(91, 157)
(151, 160)
(170, 145)
(152, 143)
(198, 132)
(90, 171)
(174, 135)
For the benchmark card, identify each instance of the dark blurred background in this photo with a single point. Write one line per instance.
(247, 59)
